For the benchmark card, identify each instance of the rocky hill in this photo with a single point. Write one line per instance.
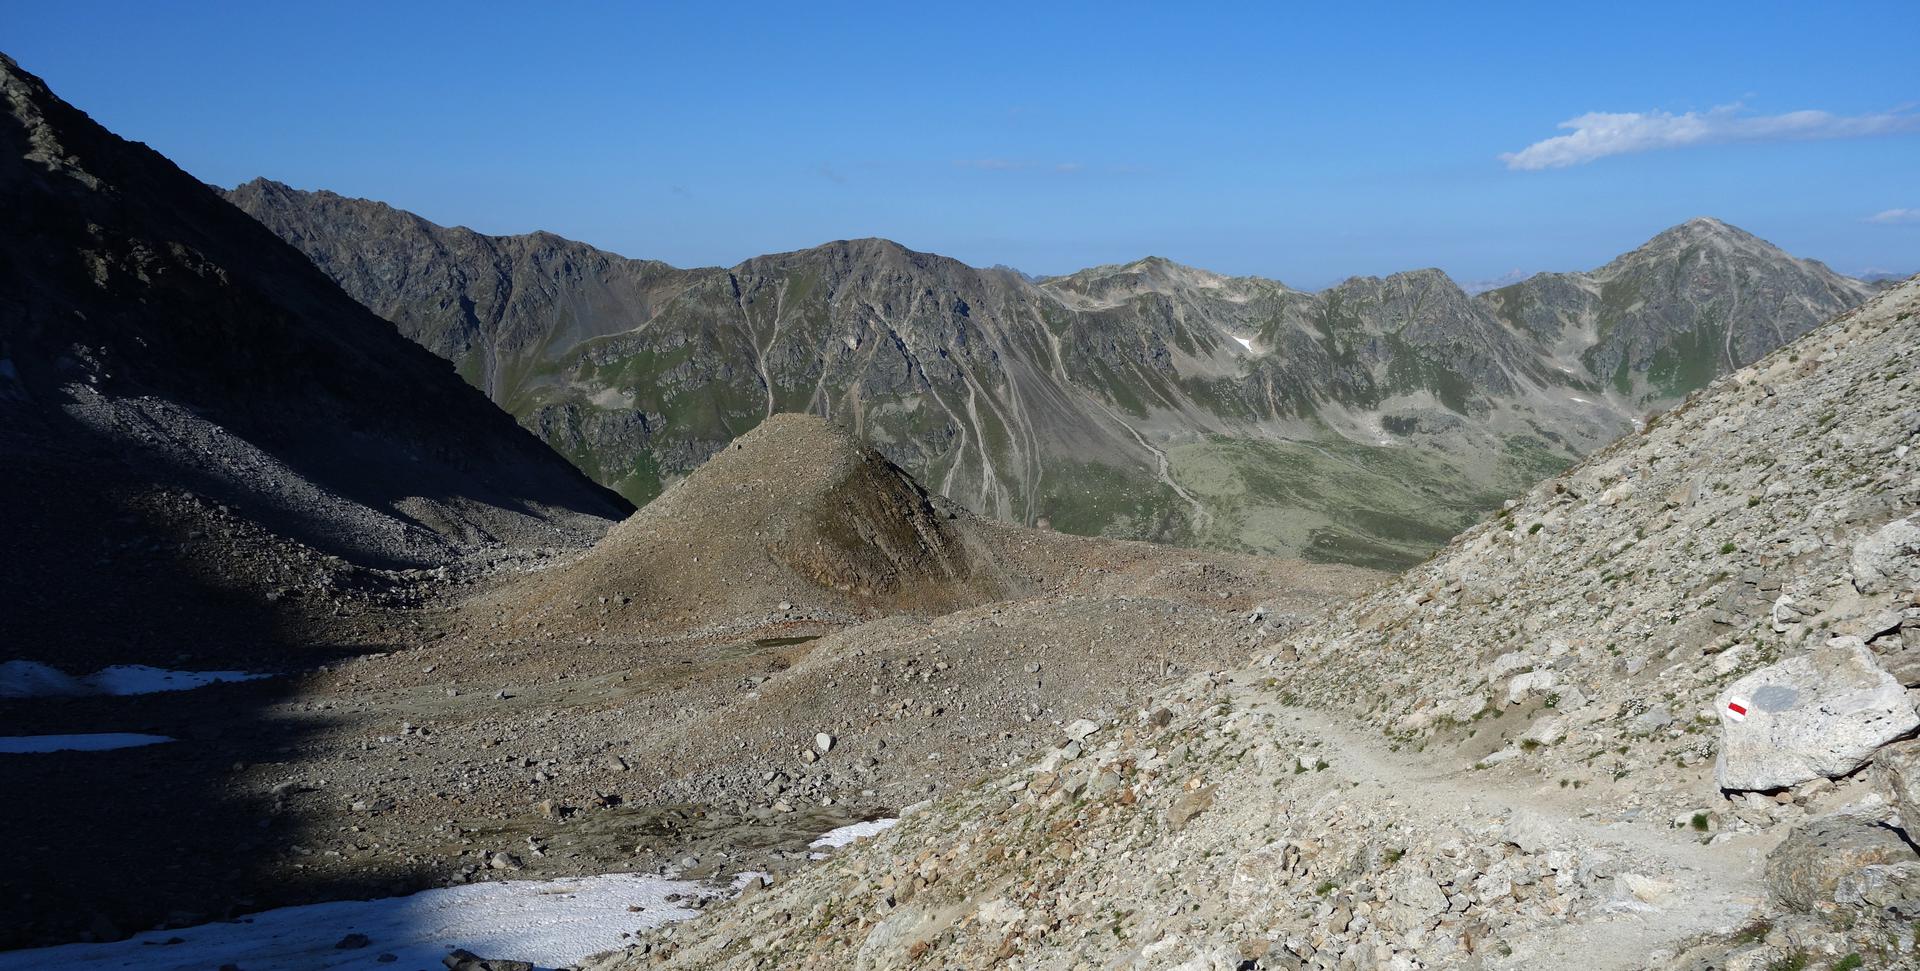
(795, 513)
(182, 392)
(1649, 715)
(1365, 423)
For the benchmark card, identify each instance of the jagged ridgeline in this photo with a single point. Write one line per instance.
(1366, 423)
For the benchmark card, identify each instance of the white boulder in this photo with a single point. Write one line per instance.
(1889, 558)
(1819, 715)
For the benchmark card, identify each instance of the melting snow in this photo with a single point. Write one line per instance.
(844, 835)
(97, 742)
(550, 923)
(31, 679)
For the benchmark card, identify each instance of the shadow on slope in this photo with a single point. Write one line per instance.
(105, 567)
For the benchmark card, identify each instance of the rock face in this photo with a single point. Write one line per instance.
(1365, 423)
(1819, 715)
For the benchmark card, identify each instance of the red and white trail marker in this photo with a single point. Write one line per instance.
(1737, 709)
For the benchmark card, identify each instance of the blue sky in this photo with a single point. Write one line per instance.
(1299, 144)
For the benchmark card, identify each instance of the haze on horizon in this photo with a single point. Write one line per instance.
(1246, 140)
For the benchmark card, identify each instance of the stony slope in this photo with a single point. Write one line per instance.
(1506, 758)
(1146, 400)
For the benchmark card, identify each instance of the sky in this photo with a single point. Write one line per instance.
(1306, 145)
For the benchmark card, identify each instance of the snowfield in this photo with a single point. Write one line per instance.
(31, 679)
(550, 923)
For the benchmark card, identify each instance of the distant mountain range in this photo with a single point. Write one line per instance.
(1364, 423)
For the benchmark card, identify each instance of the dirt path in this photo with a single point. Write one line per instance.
(1708, 888)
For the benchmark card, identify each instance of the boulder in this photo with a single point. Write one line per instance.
(1188, 806)
(1533, 682)
(1888, 558)
(1844, 862)
(1898, 768)
(1819, 715)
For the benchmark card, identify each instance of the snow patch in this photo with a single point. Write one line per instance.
(1244, 342)
(96, 742)
(1575, 397)
(844, 835)
(31, 679)
(551, 923)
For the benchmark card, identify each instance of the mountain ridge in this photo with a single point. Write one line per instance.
(1143, 400)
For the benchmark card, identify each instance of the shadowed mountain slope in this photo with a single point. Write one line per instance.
(187, 339)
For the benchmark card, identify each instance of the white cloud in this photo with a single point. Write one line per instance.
(1600, 134)
(1895, 216)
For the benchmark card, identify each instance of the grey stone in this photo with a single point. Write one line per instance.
(464, 960)
(1898, 769)
(1821, 714)
(1840, 862)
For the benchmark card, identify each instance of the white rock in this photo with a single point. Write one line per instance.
(1533, 832)
(1547, 730)
(1525, 684)
(1888, 558)
(1081, 729)
(823, 742)
(1727, 660)
(1817, 715)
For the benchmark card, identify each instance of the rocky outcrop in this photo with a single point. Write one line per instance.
(1846, 863)
(1819, 715)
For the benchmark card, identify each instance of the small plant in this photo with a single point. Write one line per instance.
(1394, 855)
(1795, 960)
(1727, 547)
(1700, 822)
(1852, 962)
(1320, 764)
(1536, 527)
(1325, 887)
(1752, 501)
(1529, 744)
